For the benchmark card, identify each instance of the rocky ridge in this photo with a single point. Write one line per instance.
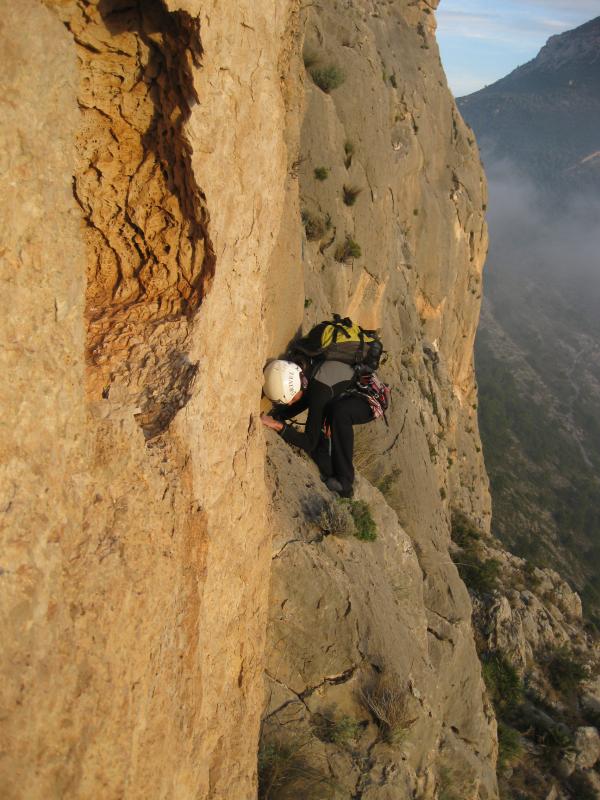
(348, 615)
(537, 349)
(136, 559)
(540, 664)
(543, 117)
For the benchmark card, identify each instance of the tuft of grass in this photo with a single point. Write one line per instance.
(307, 302)
(341, 731)
(480, 575)
(347, 249)
(502, 681)
(365, 527)
(315, 226)
(337, 519)
(321, 173)
(385, 484)
(350, 194)
(310, 59)
(393, 80)
(348, 153)
(327, 78)
(566, 670)
(386, 697)
(284, 771)
(510, 747)
(464, 533)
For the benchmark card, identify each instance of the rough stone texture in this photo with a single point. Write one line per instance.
(153, 257)
(529, 615)
(135, 563)
(587, 745)
(43, 433)
(418, 220)
(343, 611)
(533, 620)
(150, 259)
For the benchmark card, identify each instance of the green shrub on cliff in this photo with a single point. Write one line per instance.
(566, 670)
(345, 517)
(502, 681)
(479, 574)
(463, 531)
(337, 731)
(366, 529)
(510, 747)
(347, 249)
(327, 78)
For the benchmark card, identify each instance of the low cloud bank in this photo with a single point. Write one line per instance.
(532, 233)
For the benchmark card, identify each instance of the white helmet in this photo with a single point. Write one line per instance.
(282, 381)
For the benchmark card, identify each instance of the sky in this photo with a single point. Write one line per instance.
(483, 40)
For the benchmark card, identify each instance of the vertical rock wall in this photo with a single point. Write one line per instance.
(145, 174)
(399, 177)
(43, 435)
(153, 258)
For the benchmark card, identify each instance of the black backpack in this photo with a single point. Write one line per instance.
(341, 340)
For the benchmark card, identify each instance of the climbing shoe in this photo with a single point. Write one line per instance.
(335, 486)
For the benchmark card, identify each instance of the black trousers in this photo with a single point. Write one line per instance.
(334, 456)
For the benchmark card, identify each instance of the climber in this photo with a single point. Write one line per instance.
(328, 435)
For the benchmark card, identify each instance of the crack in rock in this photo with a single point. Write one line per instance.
(343, 677)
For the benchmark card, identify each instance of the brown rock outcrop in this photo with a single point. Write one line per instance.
(403, 182)
(344, 612)
(153, 158)
(135, 564)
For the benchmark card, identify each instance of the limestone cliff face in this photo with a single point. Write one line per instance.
(156, 158)
(135, 569)
(389, 135)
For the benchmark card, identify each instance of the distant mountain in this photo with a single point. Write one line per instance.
(545, 115)
(538, 348)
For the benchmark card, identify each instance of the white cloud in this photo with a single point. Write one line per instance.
(520, 33)
(583, 6)
(474, 30)
(519, 22)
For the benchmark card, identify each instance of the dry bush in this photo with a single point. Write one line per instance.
(350, 193)
(387, 697)
(347, 250)
(285, 772)
(316, 226)
(337, 519)
(348, 153)
(367, 452)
